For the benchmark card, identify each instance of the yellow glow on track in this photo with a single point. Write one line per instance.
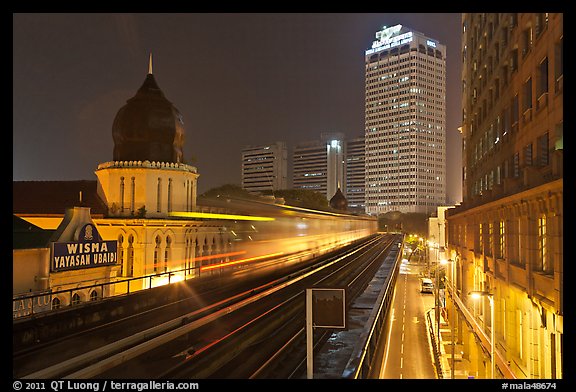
(220, 255)
(241, 261)
(207, 215)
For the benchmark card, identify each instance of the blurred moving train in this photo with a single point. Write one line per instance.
(227, 236)
(270, 231)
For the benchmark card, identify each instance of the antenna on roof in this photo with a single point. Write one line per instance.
(150, 65)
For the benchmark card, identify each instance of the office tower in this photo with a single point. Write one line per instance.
(405, 123)
(355, 176)
(319, 165)
(506, 238)
(265, 168)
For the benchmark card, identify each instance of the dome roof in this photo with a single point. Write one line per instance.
(338, 201)
(148, 127)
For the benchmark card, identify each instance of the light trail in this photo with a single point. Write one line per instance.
(222, 265)
(207, 215)
(202, 258)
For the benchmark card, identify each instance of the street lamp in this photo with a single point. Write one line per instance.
(453, 316)
(438, 301)
(438, 295)
(477, 295)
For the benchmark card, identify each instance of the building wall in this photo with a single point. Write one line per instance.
(512, 102)
(265, 168)
(437, 241)
(321, 165)
(507, 235)
(30, 270)
(501, 247)
(158, 187)
(150, 247)
(355, 174)
(146, 247)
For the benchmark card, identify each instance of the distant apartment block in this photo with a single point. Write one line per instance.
(330, 163)
(265, 167)
(355, 178)
(319, 166)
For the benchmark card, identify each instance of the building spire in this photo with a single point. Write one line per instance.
(150, 64)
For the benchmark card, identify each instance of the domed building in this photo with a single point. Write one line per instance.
(133, 203)
(148, 176)
(338, 201)
(148, 127)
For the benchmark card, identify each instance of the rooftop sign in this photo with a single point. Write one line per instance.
(389, 37)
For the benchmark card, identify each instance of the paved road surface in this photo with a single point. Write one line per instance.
(408, 353)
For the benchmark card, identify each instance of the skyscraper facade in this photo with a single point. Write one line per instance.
(355, 174)
(319, 165)
(265, 168)
(405, 122)
(506, 238)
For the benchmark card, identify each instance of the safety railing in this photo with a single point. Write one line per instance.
(360, 362)
(33, 304)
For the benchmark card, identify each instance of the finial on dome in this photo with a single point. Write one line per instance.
(150, 65)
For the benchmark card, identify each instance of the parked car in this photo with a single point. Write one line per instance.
(426, 285)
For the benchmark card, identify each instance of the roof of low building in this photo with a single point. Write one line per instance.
(54, 197)
(25, 235)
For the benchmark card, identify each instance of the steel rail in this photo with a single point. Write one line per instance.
(174, 371)
(277, 355)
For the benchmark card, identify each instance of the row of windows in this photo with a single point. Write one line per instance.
(419, 108)
(259, 158)
(163, 252)
(528, 99)
(403, 67)
(385, 54)
(159, 195)
(543, 77)
(58, 301)
(509, 239)
(421, 130)
(511, 167)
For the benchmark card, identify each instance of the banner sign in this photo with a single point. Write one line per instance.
(88, 252)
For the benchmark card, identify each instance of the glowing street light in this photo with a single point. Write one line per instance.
(478, 295)
(453, 291)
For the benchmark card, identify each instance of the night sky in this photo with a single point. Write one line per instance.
(238, 79)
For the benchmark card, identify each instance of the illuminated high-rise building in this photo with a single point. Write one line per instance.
(405, 123)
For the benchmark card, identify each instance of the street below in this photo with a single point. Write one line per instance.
(408, 353)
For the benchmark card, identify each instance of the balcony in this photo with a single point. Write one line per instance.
(527, 115)
(518, 276)
(542, 101)
(502, 269)
(489, 264)
(512, 185)
(559, 84)
(531, 177)
(544, 285)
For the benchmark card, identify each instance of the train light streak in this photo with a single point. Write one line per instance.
(241, 261)
(210, 257)
(178, 263)
(207, 215)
